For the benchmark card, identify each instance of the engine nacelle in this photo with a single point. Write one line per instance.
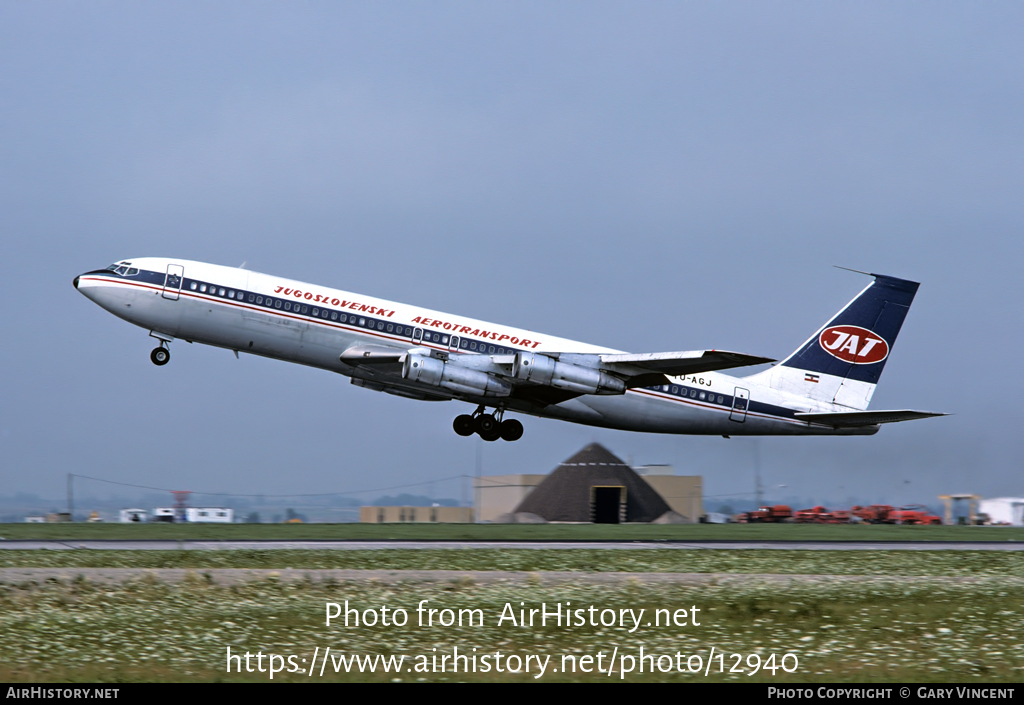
(447, 375)
(541, 369)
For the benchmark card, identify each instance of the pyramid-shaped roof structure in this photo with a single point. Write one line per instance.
(565, 494)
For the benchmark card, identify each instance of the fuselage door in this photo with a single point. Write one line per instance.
(740, 401)
(172, 282)
(417, 336)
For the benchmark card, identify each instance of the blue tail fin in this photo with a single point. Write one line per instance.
(842, 362)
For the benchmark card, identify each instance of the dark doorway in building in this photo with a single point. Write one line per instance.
(606, 505)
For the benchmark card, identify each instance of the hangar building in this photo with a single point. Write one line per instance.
(593, 485)
(1004, 510)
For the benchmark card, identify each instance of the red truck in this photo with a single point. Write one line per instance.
(822, 515)
(775, 513)
(874, 513)
(912, 514)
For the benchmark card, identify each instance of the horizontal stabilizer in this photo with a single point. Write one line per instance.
(677, 364)
(852, 419)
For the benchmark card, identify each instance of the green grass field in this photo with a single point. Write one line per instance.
(883, 628)
(912, 616)
(514, 532)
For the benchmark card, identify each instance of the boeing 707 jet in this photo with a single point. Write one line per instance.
(822, 388)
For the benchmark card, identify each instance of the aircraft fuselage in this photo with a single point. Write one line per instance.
(260, 314)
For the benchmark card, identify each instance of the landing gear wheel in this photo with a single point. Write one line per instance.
(464, 425)
(486, 425)
(490, 435)
(510, 430)
(160, 356)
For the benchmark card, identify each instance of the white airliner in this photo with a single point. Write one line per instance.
(823, 388)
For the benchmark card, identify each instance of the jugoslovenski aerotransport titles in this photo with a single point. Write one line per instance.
(822, 388)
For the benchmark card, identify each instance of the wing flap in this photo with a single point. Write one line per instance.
(678, 364)
(853, 419)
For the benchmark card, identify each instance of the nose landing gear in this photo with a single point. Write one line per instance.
(488, 427)
(160, 356)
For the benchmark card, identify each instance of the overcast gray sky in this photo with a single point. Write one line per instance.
(647, 176)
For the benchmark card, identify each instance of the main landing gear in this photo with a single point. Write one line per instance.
(488, 427)
(160, 356)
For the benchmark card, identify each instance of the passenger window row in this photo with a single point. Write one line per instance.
(474, 346)
(351, 319)
(214, 290)
(698, 394)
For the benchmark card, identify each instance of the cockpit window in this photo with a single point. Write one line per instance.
(133, 271)
(111, 268)
(122, 270)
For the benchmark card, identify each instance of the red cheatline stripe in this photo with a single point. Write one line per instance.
(275, 312)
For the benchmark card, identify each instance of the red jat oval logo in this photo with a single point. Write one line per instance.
(854, 344)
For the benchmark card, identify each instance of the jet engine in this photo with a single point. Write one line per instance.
(541, 369)
(447, 375)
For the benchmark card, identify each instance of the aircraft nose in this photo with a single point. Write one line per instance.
(75, 282)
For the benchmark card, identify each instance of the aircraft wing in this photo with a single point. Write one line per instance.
(628, 370)
(853, 419)
(646, 369)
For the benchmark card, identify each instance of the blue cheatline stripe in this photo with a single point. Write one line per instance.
(362, 322)
(683, 395)
(378, 327)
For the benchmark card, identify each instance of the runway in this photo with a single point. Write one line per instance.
(271, 545)
(237, 576)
